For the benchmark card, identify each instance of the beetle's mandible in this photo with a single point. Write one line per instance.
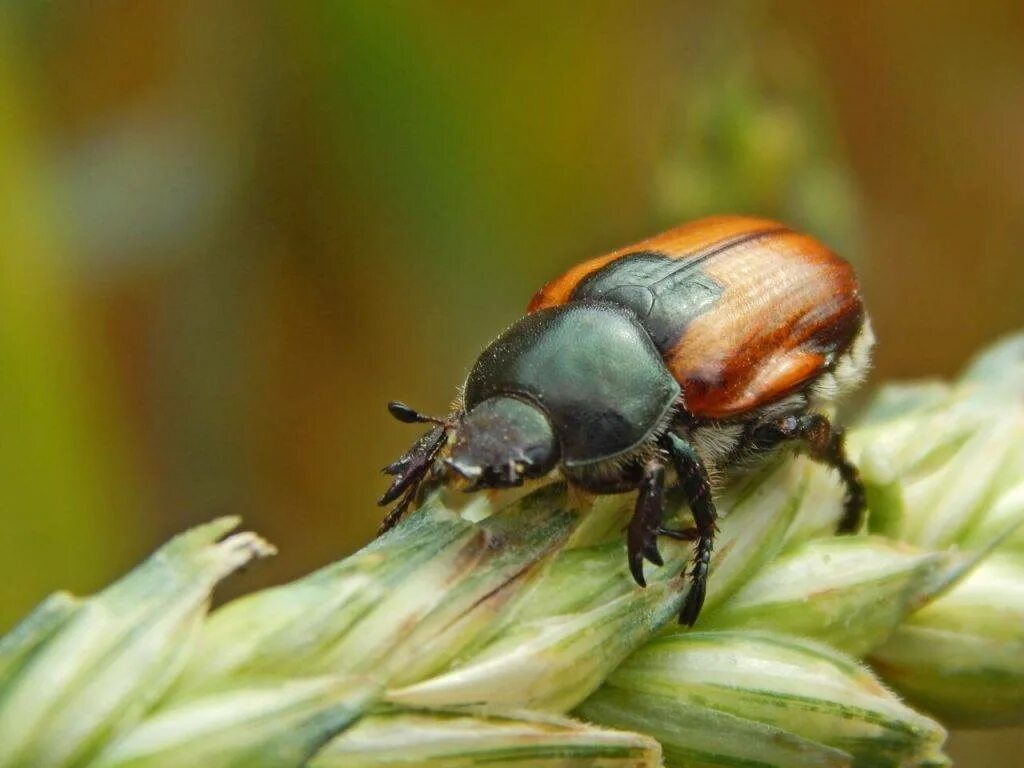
(682, 356)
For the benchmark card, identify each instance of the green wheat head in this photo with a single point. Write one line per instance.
(516, 637)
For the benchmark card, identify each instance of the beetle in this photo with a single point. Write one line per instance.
(671, 361)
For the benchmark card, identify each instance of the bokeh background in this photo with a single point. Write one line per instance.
(231, 231)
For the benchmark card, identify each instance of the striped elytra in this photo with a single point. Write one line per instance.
(744, 311)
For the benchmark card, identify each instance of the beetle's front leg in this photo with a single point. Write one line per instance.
(409, 472)
(642, 534)
(696, 486)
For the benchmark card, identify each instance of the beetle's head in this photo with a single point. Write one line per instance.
(500, 443)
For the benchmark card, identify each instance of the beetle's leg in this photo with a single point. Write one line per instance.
(823, 442)
(395, 514)
(644, 527)
(409, 471)
(827, 444)
(696, 486)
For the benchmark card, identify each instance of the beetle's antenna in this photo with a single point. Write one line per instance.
(409, 415)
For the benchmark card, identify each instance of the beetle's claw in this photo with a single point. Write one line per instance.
(694, 601)
(642, 539)
(698, 582)
(395, 513)
(395, 490)
(650, 548)
(635, 556)
(396, 466)
(642, 544)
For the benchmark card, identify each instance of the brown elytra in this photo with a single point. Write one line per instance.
(788, 308)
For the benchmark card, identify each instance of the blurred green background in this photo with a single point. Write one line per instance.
(231, 231)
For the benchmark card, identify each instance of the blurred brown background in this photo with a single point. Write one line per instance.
(230, 231)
